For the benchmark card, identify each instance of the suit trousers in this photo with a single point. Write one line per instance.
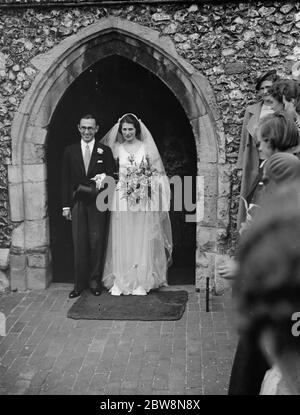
(90, 234)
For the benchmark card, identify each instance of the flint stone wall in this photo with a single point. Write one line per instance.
(229, 44)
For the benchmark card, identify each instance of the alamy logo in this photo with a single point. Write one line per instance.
(2, 324)
(296, 326)
(182, 195)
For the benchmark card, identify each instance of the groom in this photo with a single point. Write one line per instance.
(81, 162)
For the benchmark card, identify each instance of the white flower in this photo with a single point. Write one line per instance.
(138, 184)
(99, 150)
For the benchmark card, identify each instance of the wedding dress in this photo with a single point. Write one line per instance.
(140, 241)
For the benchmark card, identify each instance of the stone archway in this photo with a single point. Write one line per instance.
(30, 262)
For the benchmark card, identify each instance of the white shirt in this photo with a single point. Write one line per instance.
(261, 166)
(83, 147)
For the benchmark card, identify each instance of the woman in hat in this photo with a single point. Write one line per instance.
(248, 158)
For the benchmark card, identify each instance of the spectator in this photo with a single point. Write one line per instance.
(248, 158)
(279, 169)
(285, 96)
(268, 291)
(276, 134)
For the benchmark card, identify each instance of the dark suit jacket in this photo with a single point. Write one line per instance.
(73, 170)
(248, 158)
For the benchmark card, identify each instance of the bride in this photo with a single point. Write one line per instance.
(140, 237)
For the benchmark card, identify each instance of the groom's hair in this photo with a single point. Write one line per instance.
(88, 117)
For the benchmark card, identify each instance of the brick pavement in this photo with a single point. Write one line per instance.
(44, 352)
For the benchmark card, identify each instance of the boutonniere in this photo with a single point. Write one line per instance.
(99, 150)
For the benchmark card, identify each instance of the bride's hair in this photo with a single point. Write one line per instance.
(130, 119)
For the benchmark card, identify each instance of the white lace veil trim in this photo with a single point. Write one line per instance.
(113, 138)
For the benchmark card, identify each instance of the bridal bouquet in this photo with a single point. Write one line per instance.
(138, 182)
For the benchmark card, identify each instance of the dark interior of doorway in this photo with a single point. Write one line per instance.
(108, 89)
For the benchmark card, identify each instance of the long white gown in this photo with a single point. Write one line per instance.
(136, 256)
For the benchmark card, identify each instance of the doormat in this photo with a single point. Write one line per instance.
(157, 305)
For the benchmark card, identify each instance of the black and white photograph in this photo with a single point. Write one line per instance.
(149, 201)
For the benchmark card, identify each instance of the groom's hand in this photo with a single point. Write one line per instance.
(67, 213)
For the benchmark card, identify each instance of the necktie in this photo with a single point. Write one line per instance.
(86, 157)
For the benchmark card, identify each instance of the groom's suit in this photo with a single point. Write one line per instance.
(89, 225)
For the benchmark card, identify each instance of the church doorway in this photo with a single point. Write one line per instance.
(111, 87)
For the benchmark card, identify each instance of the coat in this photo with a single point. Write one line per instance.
(248, 158)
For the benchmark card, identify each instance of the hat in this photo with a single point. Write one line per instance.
(263, 77)
(282, 166)
(85, 193)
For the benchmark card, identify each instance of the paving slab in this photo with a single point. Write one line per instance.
(45, 353)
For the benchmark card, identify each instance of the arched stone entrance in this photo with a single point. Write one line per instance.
(111, 87)
(30, 258)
